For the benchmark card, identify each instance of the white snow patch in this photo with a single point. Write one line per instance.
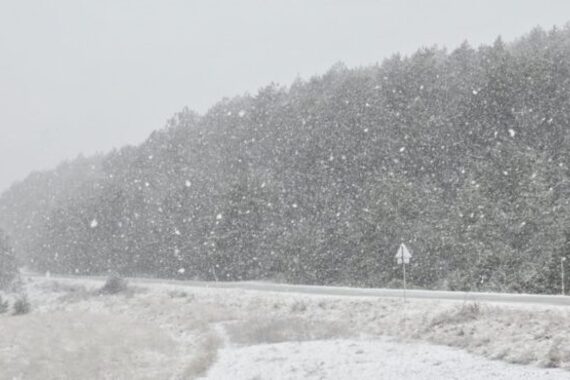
(364, 360)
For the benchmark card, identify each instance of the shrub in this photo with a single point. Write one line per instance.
(115, 284)
(22, 306)
(469, 311)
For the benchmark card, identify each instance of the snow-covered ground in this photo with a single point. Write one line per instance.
(369, 359)
(168, 331)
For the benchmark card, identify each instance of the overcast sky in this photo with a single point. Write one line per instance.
(81, 76)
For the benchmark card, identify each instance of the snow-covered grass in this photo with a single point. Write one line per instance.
(69, 345)
(259, 329)
(168, 331)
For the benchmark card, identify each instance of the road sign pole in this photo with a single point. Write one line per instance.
(404, 281)
(403, 257)
(562, 259)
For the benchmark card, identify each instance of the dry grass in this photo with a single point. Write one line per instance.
(65, 287)
(259, 330)
(70, 292)
(516, 335)
(65, 345)
(523, 337)
(206, 355)
(462, 314)
(179, 294)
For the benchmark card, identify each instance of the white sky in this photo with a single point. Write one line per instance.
(81, 76)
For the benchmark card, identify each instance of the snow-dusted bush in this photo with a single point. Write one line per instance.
(22, 306)
(114, 284)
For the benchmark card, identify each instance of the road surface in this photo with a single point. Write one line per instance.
(550, 300)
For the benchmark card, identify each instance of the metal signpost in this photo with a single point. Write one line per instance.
(403, 257)
(562, 260)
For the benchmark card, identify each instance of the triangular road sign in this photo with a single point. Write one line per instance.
(403, 255)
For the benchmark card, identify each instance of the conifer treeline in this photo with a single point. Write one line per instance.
(463, 155)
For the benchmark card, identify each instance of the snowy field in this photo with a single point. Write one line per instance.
(166, 331)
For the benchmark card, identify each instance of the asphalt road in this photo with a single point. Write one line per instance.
(551, 300)
(374, 292)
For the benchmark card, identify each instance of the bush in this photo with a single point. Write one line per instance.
(469, 311)
(114, 284)
(22, 306)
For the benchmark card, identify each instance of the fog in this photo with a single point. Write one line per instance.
(82, 76)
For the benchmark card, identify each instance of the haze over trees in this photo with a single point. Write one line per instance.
(463, 155)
